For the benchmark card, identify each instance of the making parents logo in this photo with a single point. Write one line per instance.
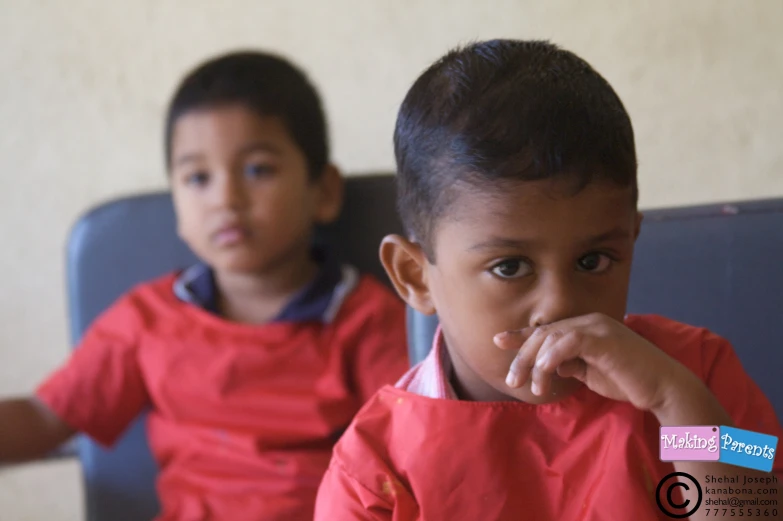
(724, 444)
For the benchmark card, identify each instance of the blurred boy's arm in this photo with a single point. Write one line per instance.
(100, 389)
(29, 430)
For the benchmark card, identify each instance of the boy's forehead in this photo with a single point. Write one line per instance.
(234, 115)
(228, 125)
(542, 197)
(532, 208)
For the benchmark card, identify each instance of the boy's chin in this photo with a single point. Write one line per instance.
(238, 265)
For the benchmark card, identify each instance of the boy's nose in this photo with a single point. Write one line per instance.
(230, 193)
(555, 300)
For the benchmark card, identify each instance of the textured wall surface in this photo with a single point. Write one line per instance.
(84, 84)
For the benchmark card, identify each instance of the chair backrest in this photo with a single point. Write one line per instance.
(124, 242)
(716, 266)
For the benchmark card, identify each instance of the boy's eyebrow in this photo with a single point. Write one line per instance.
(501, 243)
(508, 243)
(186, 158)
(257, 146)
(620, 232)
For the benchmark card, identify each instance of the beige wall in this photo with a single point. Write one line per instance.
(84, 84)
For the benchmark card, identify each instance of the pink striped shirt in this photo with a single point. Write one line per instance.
(430, 377)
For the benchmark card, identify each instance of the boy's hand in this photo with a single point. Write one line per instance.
(615, 362)
(602, 353)
(29, 430)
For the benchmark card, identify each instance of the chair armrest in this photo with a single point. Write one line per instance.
(65, 451)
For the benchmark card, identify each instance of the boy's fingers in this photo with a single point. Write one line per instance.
(513, 339)
(523, 362)
(559, 353)
(542, 370)
(575, 368)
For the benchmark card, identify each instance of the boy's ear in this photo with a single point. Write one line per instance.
(638, 225)
(329, 195)
(405, 263)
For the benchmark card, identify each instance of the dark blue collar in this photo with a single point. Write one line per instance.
(196, 285)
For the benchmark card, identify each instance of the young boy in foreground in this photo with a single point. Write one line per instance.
(254, 361)
(540, 400)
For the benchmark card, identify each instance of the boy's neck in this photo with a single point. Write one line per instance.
(470, 388)
(257, 298)
(468, 385)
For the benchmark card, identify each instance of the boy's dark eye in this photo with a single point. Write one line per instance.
(511, 269)
(258, 170)
(594, 263)
(197, 179)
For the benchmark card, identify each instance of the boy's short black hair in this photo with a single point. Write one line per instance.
(506, 110)
(267, 85)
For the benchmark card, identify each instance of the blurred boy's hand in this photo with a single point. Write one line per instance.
(604, 354)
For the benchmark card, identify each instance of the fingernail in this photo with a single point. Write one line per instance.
(534, 389)
(500, 337)
(512, 380)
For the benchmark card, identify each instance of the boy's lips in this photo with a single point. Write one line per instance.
(230, 235)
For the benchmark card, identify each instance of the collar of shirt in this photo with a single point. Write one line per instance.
(319, 300)
(431, 377)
